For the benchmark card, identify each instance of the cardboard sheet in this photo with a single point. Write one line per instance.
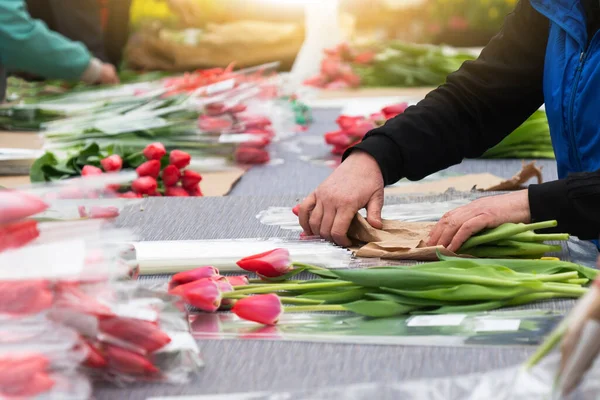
(482, 182)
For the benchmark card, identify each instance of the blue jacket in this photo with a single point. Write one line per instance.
(572, 86)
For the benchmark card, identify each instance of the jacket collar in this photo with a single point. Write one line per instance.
(568, 14)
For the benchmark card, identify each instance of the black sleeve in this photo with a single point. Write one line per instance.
(476, 108)
(574, 202)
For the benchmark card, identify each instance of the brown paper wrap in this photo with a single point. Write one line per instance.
(396, 241)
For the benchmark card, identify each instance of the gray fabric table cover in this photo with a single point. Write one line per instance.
(253, 365)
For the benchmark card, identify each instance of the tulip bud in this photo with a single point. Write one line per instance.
(271, 264)
(190, 179)
(90, 170)
(203, 294)
(195, 274)
(98, 212)
(213, 124)
(171, 175)
(179, 158)
(154, 151)
(18, 234)
(195, 192)
(296, 209)
(176, 191)
(128, 362)
(251, 155)
(254, 121)
(112, 163)
(238, 280)
(129, 195)
(149, 168)
(265, 308)
(144, 185)
(17, 205)
(143, 334)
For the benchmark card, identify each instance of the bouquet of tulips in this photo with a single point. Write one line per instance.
(453, 285)
(77, 275)
(158, 173)
(352, 129)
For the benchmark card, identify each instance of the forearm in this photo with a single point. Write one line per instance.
(477, 107)
(28, 45)
(574, 202)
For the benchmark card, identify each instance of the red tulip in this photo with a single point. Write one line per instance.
(365, 57)
(346, 122)
(156, 193)
(190, 179)
(360, 129)
(316, 81)
(184, 277)
(271, 263)
(296, 209)
(18, 234)
(339, 150)
(378, 117)
(214, 109)
(144, 334)
(16, 205)
(94, 358)
(179, 158)
(224, 285)
(338, 84)
(154, 151)
(265, 308)
(251, 155)
(338, 138)
(195, 192)
(98, 212)
(128, 362)
(238, 280)
(25, 297)
(176, 191)
(171, 175)
(203, 294)
(144, 185)
(149, 168)
(394, 109)
(90, 170)
(213, 124)
(238, 108)
(331, 67)
(112, 163)
(24, 376)
(254, 121)
(129, 195)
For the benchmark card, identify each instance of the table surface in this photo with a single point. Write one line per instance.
(253, 365)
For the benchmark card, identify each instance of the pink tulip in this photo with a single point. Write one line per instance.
(112, 163)
(271, 264)
(15, 205)
(154, 151)
(224, 285)
(90, 170)
(239, 280)
(195, 274)
(98, 212)
(264, 309)
(203, 294)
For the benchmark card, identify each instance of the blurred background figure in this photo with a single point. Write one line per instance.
(101, 25)
(27, 45)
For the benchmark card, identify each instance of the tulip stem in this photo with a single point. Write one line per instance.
(288, 286)
(261, 282)
(326, 307)
(307, 266)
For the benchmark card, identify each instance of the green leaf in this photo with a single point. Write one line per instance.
(409, 301)
(378, 308)
(336, 297)
(418, 277)
(57, 172)
(324, 273)
(36, 174)
(503, 231)
(466, 308)
(90, 150)
(134, 160)
(470, 292)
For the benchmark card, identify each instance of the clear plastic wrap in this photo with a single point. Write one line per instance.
(284, 218)
(515, 383)
(174, 256)
(509, 328)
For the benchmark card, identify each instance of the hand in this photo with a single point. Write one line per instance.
(458, 225)
(108, 74)
(329, 210)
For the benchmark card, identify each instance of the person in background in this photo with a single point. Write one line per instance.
(548, 51)
(28, 45)
(84, 21)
